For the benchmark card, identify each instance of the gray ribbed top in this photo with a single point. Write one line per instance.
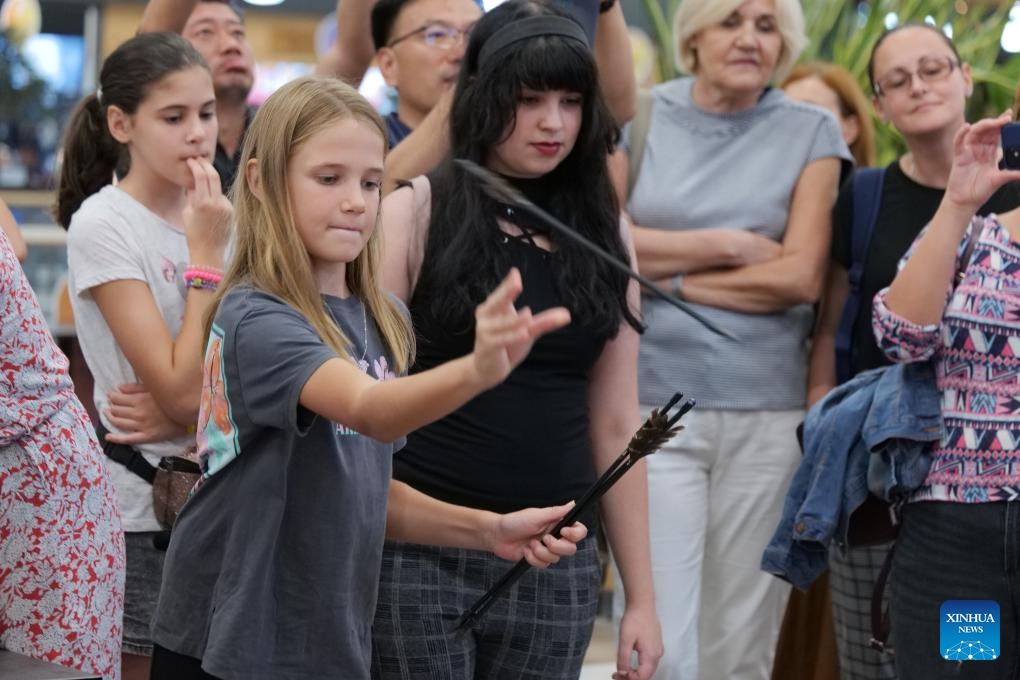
(703, 169)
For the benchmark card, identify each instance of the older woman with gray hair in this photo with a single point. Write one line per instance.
(731, 209)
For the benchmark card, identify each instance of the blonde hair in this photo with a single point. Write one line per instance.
(852, 102)
(269, 253)
(692, 16)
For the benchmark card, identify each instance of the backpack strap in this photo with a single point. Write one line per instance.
(639, 136)
(867, 197)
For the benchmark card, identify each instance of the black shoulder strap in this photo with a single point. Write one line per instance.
(880, 619)
(867, 197)
(128, 456)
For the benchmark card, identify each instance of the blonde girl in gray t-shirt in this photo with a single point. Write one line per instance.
(273, 567)
(135, 252)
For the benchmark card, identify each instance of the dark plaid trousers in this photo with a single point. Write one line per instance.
(540, 629)
(852, 580)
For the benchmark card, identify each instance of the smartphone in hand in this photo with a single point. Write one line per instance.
(1011, 146)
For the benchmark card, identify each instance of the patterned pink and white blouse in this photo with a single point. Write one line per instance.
(976, 350)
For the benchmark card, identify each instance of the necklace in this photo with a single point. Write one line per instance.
(911, 169)
(364, 321)
(364, 330)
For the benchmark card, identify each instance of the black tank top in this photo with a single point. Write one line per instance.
(526, 442)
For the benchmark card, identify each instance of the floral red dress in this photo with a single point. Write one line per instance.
(61, 544)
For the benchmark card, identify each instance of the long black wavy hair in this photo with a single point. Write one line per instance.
(466, 260)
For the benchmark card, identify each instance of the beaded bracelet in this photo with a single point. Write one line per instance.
(202, 278)
(212, 272)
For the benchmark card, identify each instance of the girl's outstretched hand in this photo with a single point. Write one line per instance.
(208, 214)
(525, 534)
(504, 335)
(975, 175)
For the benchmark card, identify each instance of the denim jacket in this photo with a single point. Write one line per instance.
(872, 432)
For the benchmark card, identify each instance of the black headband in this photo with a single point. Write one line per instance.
(531, 27)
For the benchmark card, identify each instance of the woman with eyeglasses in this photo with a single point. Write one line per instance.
(920, 86)
(959, 537)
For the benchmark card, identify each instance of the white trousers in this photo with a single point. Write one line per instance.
(715, 494)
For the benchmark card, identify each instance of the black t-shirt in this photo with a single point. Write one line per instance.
(525, 442)
(226, 166)
(906, 207)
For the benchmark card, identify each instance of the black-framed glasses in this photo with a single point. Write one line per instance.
(929, 70)
(442, 36)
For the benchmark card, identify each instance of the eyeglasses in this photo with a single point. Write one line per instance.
(442, 36)
(929, 70)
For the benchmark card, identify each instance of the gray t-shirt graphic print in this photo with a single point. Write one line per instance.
(273, 565)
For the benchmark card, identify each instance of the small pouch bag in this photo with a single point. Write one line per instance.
(175, 478)
(172, 480)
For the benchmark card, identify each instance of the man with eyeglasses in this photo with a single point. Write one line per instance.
(419, 45)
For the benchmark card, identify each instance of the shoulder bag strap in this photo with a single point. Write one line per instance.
(867, 197)
(880, 624)
(973, 234)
